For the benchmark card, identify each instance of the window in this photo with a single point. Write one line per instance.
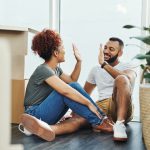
(89, 23)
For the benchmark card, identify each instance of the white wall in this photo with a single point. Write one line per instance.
(23, 13)
(26, 13)
(89, 23)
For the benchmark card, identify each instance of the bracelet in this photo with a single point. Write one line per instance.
(103, 64)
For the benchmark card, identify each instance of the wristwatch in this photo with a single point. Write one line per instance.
(103, 64)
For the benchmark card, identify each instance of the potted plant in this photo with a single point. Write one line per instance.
(144, 86)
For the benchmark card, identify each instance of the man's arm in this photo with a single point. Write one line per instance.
(130, 74)
(88, 87)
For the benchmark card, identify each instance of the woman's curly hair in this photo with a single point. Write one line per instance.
(45, 43)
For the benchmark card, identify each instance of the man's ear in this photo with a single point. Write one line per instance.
(120, 53)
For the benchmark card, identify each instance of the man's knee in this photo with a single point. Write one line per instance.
(122, 81)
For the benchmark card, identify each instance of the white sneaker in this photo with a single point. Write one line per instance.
(24, 130)
(120, 131)
(32, 125)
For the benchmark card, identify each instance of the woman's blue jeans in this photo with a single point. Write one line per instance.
(52, 109)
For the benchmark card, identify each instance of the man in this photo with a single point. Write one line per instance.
(114, 81)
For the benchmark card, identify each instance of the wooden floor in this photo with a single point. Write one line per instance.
(84, 139)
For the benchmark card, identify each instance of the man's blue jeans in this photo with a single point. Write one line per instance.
(56, 105)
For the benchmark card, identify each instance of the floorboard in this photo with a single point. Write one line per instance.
(84, 139)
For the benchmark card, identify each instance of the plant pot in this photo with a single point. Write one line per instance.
(145, 112)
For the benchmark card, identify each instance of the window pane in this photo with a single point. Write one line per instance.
(89, 23)
(28, 13)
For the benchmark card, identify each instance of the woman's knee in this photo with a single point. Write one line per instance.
(75, 85)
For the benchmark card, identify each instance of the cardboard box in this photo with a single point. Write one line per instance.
(17, 103)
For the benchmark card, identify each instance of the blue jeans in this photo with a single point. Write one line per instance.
(56, 105)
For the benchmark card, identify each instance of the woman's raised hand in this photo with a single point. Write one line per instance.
(76, 53)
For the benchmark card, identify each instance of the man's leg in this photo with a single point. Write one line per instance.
(121, 99)
(70, 125)
(120, 106)
(32, 125)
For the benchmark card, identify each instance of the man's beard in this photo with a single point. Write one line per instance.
(112, 59)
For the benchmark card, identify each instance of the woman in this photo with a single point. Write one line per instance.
(50, 92)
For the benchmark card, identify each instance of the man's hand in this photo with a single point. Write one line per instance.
(76, 53)
(101, 55)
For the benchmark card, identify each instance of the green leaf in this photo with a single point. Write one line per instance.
(142, 56)
(148, 53)
(147, 75)
(148, 58)
(146, 29)
(142, 28)
(142, 66)
(129, 26)
(145, 39)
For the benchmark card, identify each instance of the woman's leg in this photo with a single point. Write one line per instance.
(55, 106)
(78, 87)
(83, 110)
(51, 109)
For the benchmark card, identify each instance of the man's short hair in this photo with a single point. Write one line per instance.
(121, 44)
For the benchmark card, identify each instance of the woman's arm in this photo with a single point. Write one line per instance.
(77, 69)
(66, 90)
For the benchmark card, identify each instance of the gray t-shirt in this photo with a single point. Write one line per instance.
(37, 89)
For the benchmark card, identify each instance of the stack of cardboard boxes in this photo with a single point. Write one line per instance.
(15, 39)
